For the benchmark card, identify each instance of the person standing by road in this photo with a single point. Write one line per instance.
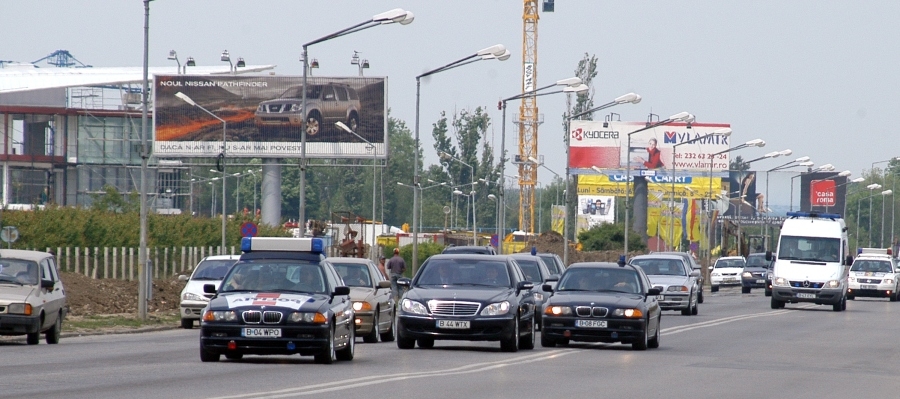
(382, 268)
(396, 266)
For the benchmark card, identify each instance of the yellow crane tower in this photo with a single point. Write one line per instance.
(529, 119)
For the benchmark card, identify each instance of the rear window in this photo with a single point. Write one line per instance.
(757, 261)
(212, 269)
(468, 250)
(531, 269)
(729, 263)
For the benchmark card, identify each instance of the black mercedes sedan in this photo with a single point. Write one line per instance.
(279, 299)
(467, 297)
(602, 302)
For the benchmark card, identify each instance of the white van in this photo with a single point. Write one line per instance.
(812, 261)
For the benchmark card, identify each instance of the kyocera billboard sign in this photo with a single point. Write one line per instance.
(263, 116)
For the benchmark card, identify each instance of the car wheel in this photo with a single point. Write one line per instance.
(207, 356)
(641, 343)
(353, 122)
(527, 342)
(313, 124)
(52, 335)
(187, 324)
(700, 295)
(372, 337)
(329, 355)
(546, 341)
(348, 351)
(695, 310)
(425, 343)
(768, 292)
(776, 304)
(851, 297)
(234, 356)
(714, 288)
(388, 335)
(511, 343)
(745, 290)
(33, 338)
(406, 343)
(686, 311)
(654, 342)
(893, 297)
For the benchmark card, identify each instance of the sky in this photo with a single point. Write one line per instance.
(817, 77)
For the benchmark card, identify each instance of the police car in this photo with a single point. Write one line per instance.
(279, 299)
(874, 273)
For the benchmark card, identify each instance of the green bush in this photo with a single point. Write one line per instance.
(426, 249)
(609, 236)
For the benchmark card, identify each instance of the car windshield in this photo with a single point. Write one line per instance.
(721, 263)
(531, 269)
(212, 269)
(467, 250)
(550, 261)
(877, 266)
(660, 267)
(477, 272)
(354, 274)
(296, 92)
(814, 249)
(624, 280)
(23, 272)
(757, 261)
(275, 275)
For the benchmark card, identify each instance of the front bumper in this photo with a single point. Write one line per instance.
(19, 325)
(617, 330)
(871, 290)
(725, 280)
(673, 301)
(824, 296)
(480, 328)
(304, 340)
(192, 310)
(364, 322)
(753, 282)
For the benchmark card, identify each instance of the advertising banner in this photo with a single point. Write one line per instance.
(823, 192)
(613, 184)
(262, 116)
(597, 209)
(743, 198)
(604, 145)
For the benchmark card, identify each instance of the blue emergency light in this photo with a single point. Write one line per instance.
(813, 215)
(284, 244)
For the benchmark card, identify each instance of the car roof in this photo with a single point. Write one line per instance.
(599, 265)
(24, 254)
(343, 259)
(468, 256)
(221, 257)
(463, 248)
(658, 255)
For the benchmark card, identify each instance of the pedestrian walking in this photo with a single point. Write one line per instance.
(396, 266)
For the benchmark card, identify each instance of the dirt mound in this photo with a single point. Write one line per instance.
(87, 296)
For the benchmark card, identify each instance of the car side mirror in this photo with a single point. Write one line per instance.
(769, 256)
(48, 284)
(524, 285)
(182, 277)
(848, 261)
(695, 273)
(384, 284)
(653, 292)
(209, 288)
(341, 290)
(404, 282)
(547, 287)
(553, 277)
(709, 267)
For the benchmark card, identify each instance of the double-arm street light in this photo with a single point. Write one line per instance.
(802, 161)
(541, 164)
(221, 163)
(884, 180)
(421, 189)
(311, 125)
(447, 156)
(824, 168)
(631, 98)
(498, 52)
(369, 144)
(871, 187)
(740, 192)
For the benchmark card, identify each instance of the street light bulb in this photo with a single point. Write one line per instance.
(845, 173)
(576, 89)
(226, 56)
(492, 196)
(533, 160)
(786, 152)
(858, 180)
(802, 159)
(628, 98)
(575, 81)
(681, 117)
(723, 132)
(185, 98)
(390, 16)
(497, 50)
(887, 192)
(873, 186)
(826, 167)
(806, 163)
(343, 127)
(173, 55)
(409, 18)
(457, 192)
(773, 154)
(755, 143)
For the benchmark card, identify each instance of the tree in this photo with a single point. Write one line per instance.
(738, 164)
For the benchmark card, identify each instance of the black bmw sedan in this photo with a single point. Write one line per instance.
(470, 298)
(602, 302)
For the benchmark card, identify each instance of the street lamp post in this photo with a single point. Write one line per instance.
(871, 187)
(397, 15)
(498, 52)
(221, 163)
(347, 129)
(824, 168)
(883, 201)
(445, 155)
(493, 197)
(802, 161)
(741, 202)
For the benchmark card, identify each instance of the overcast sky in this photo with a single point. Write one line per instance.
(818, 77)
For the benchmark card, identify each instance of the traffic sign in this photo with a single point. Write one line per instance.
(248, 229)
(646, 172)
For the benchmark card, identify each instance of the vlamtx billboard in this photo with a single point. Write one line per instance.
(604, 145)
(263, 116)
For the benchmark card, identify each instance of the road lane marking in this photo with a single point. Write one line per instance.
(724, 320)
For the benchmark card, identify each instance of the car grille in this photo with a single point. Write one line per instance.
(275, 108)
(870, 281)
(453, 308)
(757, 274)
(267, 317)
(587, 311)
(803, 284)
(729, 274)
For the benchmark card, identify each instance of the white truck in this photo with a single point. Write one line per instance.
(812, 261)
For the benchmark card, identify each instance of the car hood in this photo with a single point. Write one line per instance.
(669, 280)
(798, 272)
(870, 274)
(361, 293)
(196, 286)
(452, 293)
(295, 301)
(10, 293)
(727, 269)
(755, 269)
(610, 299)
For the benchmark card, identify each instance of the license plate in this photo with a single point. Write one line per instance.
(262, 332)
(457, 324)
(731, 280)
(760, 281)
(868, 287)
(806, 296)
(660, 297)
(590, 323)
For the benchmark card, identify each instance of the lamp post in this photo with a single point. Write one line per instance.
(221, 165)
(227, 58)
(445, 155)
(802, 161)
(347, 129)
(493, 197)
(174, 57)
(623, 99)
(741, 195)
(845, 173)
(421, 189)
(871, 187)
(462, 194)
(388, 17)
(824, 168)
(498, 52)
(883, 201)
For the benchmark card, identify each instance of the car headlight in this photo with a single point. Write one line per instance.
(677, 288)
(295, 108)
(190, 296)
(220, 315)
(538, 296)
(558, 310)
(496, 309)
(853, 279)
(307, 317)
(888, 281)
(629, 313)
(833, 284)
(260, 108)
(747, 274)
(19, 308)
(781, 282)
(357, 306)
(715, 274)
(410, 306)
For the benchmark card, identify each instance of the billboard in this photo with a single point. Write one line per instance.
(262, 116)
(743, 199)
(823, 192)
(603, 144)
(598, 209)
(613, 184)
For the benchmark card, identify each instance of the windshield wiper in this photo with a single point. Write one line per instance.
(481, 285)
(207, 278)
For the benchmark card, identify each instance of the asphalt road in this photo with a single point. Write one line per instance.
(737, 347)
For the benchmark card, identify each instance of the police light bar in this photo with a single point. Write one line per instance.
(286, 244)
(875, 251)
(813, 215)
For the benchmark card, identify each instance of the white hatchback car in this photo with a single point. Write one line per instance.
(210, 270)
(726, 271)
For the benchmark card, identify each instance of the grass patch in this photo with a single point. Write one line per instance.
(119, 322)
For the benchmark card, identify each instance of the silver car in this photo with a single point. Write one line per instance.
(32, 297)
(679, 286)
(370, 293)
(210, 270)
(326, 103)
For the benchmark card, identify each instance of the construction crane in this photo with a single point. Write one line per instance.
(62, 59)
(528, 117)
